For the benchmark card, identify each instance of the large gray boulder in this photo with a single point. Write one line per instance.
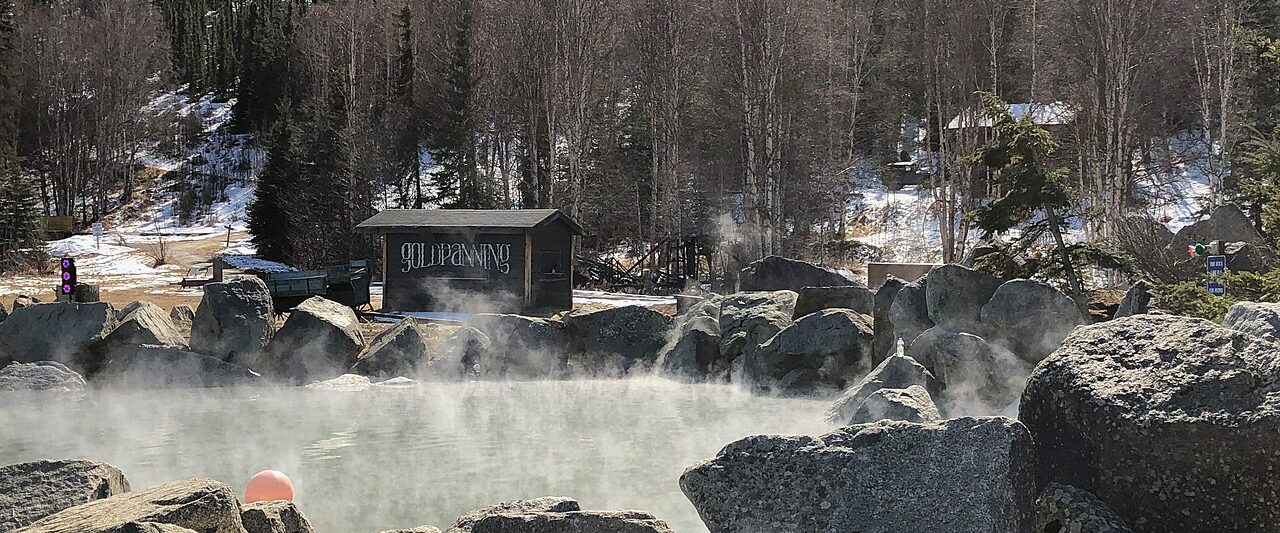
(545, 504)
(695, 349)
(398, 351)
(40, 376)
(895, 372)
(1227, 223)
(954, 296)
(320, 340)
(461, 354)
(1170, 420)
(140, 323)
(909, 312)
(149, 527)
(62, 332)
(202, 505)
(1061, 508)
(814, 299)
(964, 474)
(976, 376)
(749, 319)
(274, 517)
(912, 404)
(159, 367)
(31, 491)
(234, 320)
(776, 273)
(821, 351)
(1250, 257)
(572, 522)
(1032, 317)
(1137, 300)
(615, 339)
(521, 346)
(1261, 319)
(885, 341)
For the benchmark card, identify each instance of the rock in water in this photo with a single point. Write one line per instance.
(912, 404)
(954, 296)
(274, 517)
(234, 317)
(1061, 508)
(619, 337)
(909, 312)
(40, 376)
(399, 351)
(61, 332)
(960, 475)
(1261, 319)
(748, 320)
(970, 370)
(885, 342)
(343, 383)
(140, 323)
(830, 346)
(776, 273)
(460, 354)
(234, 320)
(896, 372)
(31, 491)
(1170, 420)
(203, 505)
(572, 522)
(320, 340)
(545, 504)
(522, 346)
(1032, 316)
(1137, 300)
(694, 351)
(148, 367)
(814, 299)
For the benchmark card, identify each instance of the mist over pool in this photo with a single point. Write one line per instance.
(426, 454)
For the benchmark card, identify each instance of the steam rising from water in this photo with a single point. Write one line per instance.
(385, 457)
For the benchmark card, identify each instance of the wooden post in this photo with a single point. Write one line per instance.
(218, 265)
(528, 270)
(384, 272)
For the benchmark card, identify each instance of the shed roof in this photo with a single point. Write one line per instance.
(396, 219)
(1051, 114)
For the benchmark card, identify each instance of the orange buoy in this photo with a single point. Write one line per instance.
(268, 485)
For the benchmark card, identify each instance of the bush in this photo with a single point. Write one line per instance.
(1190, 298)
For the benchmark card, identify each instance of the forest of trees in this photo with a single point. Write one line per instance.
(643, 118)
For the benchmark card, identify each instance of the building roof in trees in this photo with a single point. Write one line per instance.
(1053, 114)
(391, 220)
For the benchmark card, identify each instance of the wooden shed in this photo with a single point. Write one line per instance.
(466, 260)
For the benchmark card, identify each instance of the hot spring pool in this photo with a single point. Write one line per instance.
(366, 461)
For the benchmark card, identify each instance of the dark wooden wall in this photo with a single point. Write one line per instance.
(552, 259)
(489, 281)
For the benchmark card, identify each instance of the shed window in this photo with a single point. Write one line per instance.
(552, 269)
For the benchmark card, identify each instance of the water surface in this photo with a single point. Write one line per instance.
(383, 458)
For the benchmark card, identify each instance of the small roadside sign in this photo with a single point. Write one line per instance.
(1217, 264)
(97, 234)
(1217, 288)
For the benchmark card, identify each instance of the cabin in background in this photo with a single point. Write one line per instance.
(474, 261)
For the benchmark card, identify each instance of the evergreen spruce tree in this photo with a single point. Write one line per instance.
(266, 63)
(453, 132)
(1019, 156)
(21, 235)
(408, 163)
(8, 77)
(269, 225)
(325, 216)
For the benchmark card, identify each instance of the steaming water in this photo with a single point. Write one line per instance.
(383, 458)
